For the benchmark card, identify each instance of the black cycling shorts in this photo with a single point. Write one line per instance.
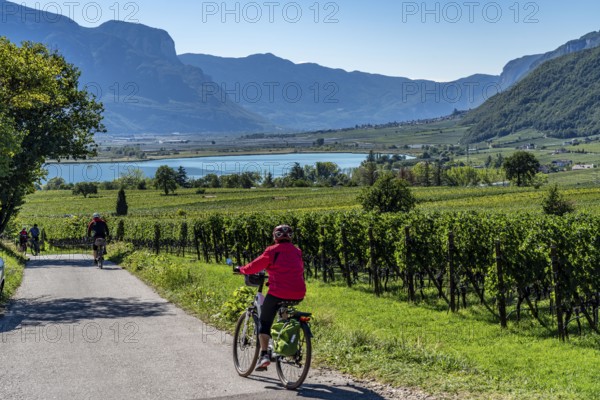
(268, 311)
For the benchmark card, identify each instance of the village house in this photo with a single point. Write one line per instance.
(562, 163)
(581, 167)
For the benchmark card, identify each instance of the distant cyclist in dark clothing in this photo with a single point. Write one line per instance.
(35, 238)
(35, 232)
(100, 229)
(23, 238)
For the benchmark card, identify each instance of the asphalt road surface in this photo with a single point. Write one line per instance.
(74, 331)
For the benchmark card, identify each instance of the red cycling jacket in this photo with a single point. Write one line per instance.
(283, 262)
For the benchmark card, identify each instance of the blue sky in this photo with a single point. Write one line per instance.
(439, 40)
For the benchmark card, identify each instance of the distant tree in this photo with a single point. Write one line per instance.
(499, 161)
(326, 169)
(462, 176)
(555, 204)
(165, 179)
(320, 142)
(249, 179)
(230, 181)
(388, 194)
(268, 181)
(182, 178)
(489, 161)
(297, 172)
(212, 181)
(85, 188)
(422, 173)
(132, 178)
(521, 167)
(370, 157)
(366, 174)
(57, 183)
(438, 174)
(122, 206)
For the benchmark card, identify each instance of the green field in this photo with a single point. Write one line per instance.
(43, 205)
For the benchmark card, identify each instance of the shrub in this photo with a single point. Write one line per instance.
(388, 194)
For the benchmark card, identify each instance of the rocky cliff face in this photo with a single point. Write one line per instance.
(134, 70)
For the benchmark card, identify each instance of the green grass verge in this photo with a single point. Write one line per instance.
(14, 264)
(464, 354)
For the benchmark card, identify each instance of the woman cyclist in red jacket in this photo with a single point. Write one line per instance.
(283, 262)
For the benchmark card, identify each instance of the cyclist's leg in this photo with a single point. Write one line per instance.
(268, 311)
(95, 250)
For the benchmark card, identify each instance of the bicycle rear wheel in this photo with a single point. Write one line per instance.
(245, 344)
(292, 370)
(100, 257)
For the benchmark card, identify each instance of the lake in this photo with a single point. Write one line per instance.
(198, 167)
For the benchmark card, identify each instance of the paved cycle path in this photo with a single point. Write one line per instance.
(74, 331)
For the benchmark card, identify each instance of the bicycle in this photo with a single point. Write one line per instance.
(291, 370)
(23, 248)
(101, 245)
(34, 244)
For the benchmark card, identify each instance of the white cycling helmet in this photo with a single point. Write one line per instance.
(96, 215)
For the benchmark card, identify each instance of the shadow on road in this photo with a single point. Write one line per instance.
(336, 392)
(71, 311)
(310, 391)
(60, 261)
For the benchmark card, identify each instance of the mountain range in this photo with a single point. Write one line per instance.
(134, 70)
(559, 98)
(334, 98)
(147, 88)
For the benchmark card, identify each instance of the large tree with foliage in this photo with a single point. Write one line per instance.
(521, 167)
(165, 179)
(388, 194)
(85, 189)
(43, 115)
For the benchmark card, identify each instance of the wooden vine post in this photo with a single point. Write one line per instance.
(347, 272)
(373, 262)
(238, 256)
(558, 293)
(322, 255)
(452, 272)
(156, 238)
(183, 237)
(197, 241)
(501, 287)
(409, 267)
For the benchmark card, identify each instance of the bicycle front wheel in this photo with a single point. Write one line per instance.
(245, 344)
(292, 370)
